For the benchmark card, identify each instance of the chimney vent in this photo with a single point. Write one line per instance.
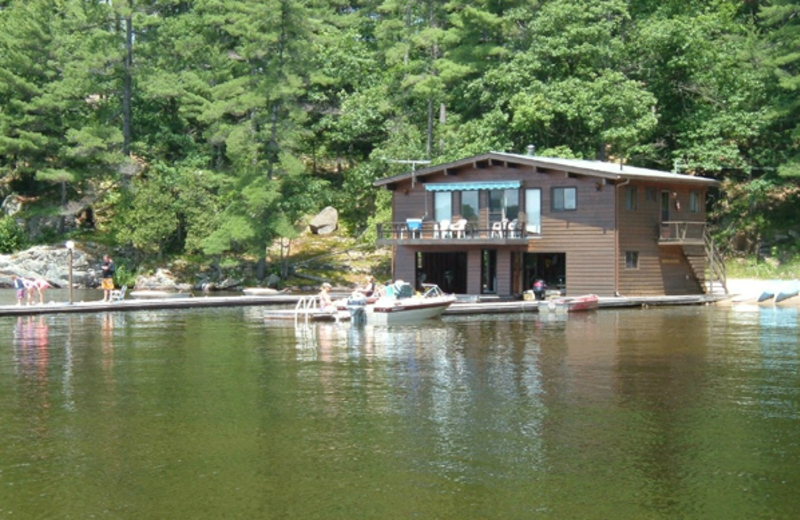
(530, 149)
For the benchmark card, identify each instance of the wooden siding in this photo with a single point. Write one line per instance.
(474, 271)
(663, 270)
(595, 252)
(405, 265)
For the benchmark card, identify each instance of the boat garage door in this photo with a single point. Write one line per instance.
(447, 270)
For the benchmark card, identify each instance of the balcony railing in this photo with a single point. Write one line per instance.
(682, 233)
(433, 232)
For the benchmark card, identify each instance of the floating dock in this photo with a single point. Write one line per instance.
(485, 306)
(146, 304)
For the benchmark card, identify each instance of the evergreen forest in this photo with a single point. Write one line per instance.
(211, 128)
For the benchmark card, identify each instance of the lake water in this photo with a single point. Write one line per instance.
(686, 412)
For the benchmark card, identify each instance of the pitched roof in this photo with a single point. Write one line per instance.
(600, 169)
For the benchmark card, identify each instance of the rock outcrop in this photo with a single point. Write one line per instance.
(326, 221)
(52, 264)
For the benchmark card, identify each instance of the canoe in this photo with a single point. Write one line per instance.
(156, 294)
(787, 290)
(768, 293)
(587, 302)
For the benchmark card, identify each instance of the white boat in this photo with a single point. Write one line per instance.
(152, 294)
(261, 291)
(398, 304)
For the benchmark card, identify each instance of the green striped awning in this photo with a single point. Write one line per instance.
(466, 186)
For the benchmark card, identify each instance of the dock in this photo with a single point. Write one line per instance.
(147, 304)
(486, 306)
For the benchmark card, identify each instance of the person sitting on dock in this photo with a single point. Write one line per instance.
(539, 289)
(325, 302)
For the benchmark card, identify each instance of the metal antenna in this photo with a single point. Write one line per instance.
(413, 163)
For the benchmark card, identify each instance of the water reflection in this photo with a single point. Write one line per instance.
(660, 413)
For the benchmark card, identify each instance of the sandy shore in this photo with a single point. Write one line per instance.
(747, 290)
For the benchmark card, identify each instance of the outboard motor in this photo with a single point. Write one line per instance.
(357, 304)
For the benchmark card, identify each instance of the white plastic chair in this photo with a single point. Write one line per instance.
(498, 228)
(118, 294)
(442, 229)
(459, 227)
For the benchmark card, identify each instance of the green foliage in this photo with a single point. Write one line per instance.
(245, 117)
(123, 275)
(12, 237)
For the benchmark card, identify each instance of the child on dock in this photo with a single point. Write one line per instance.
(19, 286)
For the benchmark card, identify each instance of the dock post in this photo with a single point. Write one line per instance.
(70, 247)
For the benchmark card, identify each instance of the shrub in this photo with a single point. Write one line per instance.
(12, 236)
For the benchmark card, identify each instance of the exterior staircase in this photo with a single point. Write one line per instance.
(701, 253)
(708, 265)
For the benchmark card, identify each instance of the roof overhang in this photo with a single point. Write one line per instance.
(599, 169)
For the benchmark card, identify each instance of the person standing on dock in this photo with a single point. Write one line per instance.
(108, 277)
(19, 286)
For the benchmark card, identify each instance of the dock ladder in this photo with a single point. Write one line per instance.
(307, 307)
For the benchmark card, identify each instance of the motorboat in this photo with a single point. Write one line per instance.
(154, 294)
(397, 304)
(587, 302)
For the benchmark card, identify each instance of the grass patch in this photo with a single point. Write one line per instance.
(763, 268)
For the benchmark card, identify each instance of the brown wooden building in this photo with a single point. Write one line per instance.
(494, 223)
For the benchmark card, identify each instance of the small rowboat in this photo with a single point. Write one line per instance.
(587, 302)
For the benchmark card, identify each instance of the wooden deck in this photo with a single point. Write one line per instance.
(458, 308)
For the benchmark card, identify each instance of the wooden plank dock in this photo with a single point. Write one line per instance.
(147, 304)
(288, 300)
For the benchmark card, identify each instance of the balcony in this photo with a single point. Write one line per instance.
(682, 233)
(418, 233)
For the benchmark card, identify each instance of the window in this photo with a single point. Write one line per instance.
(442, 205)
(694, 202)
(533, 211)
(631, 194)
(503, 204)
(564, 199)
(469, 205)
(631, 259)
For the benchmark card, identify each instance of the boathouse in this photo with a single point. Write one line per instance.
(494, 223)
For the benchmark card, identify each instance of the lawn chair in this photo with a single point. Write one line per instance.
(118, 294)
(459, 228)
